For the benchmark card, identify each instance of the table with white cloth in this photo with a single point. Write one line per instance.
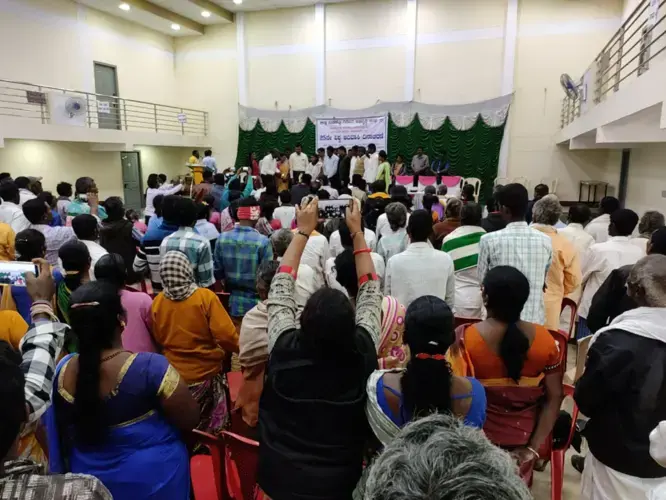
(452, 182)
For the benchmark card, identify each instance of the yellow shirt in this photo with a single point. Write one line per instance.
(194, 334)
(564, 274)
(193, 160)
(7, 238)
(12, 328)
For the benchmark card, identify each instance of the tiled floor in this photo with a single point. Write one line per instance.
(571, 490)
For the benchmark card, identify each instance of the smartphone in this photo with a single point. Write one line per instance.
(332, 209)
(13, 273)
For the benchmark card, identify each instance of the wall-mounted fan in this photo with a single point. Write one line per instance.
(67, 109)
(569, 86)
(75, 106)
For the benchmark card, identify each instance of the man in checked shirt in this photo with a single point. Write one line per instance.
(25, 389)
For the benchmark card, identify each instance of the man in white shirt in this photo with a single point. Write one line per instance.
(10, 211)
(598, 227)
(315, 254)
(314, 167)
(579, 215)
(325, 185)
(209, 162)
(23, 183)
(298, 163)
(420, 269)
(331, 165)
(86, 228)
(371, 164)
(352, 164)
(602, 258)
(335, 244)
(268, 167)
(286, 212)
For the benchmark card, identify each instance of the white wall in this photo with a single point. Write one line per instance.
(646, 179)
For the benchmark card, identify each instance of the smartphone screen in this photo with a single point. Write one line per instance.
(332, 209)
(13, 273)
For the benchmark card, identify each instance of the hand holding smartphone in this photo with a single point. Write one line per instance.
(14, 273)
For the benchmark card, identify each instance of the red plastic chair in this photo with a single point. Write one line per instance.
(207, 471)
(557, 456)
(566, 302)
(241, 461)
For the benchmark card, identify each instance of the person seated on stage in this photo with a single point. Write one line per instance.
(467, 194)
(399, 167)
(420, 163)
(450, 222)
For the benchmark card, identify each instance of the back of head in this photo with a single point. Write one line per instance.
(268, 207)
(429, 200)
(396, 215)
(345, 234)
(419, 226)
(48, 198)
(345, 269)
(623, 222)
(35, 211)
(64, 189)
(322, 194)
(513, 199)
(471, 214)
(203, 211)
(306, 179)
(30, 244)
(650, 222)
(157, 203)
(95, 314)
(153, 181)
(355, 179)
(281, 240)
(22, 182)
(208, 152)
(9, 191)
(609, 204)
(285, 197)
(85, 227)
(430, 190)
(540, 190)
(506, 290)
(207, 175)
(399, 194)
(248, 211)
(547, 210)
(440, 457)
(580, 214)
(647, 281)
(426, 385)
(656, 245)
(75, 260)
(83, 185)
(5, 176)
(111, 268)
(115, 208)
(442, 190)
(453, 208)
(378, 187)
(162, 178)
(170, 207)
(468, 192)
(12, 394)
(328, 324)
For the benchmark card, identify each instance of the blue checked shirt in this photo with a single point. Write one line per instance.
(238, 254)
(197, 249)
(526, 249)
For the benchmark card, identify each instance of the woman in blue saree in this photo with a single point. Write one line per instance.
(118, 416)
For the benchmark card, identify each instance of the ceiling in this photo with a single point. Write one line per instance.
(159, 15)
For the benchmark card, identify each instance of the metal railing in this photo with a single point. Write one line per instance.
(52, 105)
(626, 56)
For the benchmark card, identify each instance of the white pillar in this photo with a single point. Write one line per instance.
(241, 54)
(320, 53)
(86, 58)
(510, 35)
(410, 49)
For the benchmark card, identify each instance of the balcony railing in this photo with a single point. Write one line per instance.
(626, 56)
(52, 105)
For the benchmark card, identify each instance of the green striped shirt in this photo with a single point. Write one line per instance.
(462, 245)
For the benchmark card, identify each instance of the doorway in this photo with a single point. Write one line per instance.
(108, 109)
(132, 189)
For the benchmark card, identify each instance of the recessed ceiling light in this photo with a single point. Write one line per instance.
(238, 2)
(124, 6)
(205, 13)
(175, 27)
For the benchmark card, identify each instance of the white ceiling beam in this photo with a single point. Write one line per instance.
(213, 8)
(166, 14)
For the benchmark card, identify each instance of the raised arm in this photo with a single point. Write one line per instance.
(249, 186)
(167, 190)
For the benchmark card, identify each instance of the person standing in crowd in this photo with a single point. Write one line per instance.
(298, 163)
(540, 190)
(612, 298)
(493, 220)
(467, 194)
(156, 219)
(148, 255)
(86, 229)
(234, 186)
(375, 204)
(283, 179)
(307, 281)
(398, 195)
(649, 223)
(238, 254)
(82, 204)
(64, 190)
(331, 162)
(50, 200)
(209, 163)
(420, 163)
(297, 459)
(112, 406)
(314, 167)
(154, 189)
(137, 332)
(39, 216)
(336, 248)
(347, 243)
(397, 241)
(204, 228)
(429, 202)
(602, 258)
(579, 216)
(450, 223)
(268, 166)
(399, 165)
(195, 246)
(344, 167)
(203, 189)
(7, 242)
(371, 165)
(267, 224)
(254, 164)
(332, 191)
(359, 167)
(321, 153)
(359, 189)
(564, 274)
(622, 391)
(301, 190)
(406, 276)
(118, 235)
(519, 246)
(219, 181)
(598, 227)
(437, 207)
(462, 244)
(75, 260)
(196, 334)
(23, 184)
(353, 159)
(384, 169)
(286, 212)
(10, 211)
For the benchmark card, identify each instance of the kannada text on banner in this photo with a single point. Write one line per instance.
(350, 132)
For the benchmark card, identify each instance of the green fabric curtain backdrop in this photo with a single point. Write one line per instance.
(471, 153)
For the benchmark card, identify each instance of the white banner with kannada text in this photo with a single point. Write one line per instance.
(350, 132)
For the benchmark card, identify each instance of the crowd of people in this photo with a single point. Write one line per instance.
(392, 352)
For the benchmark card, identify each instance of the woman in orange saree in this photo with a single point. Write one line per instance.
(519, 364)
